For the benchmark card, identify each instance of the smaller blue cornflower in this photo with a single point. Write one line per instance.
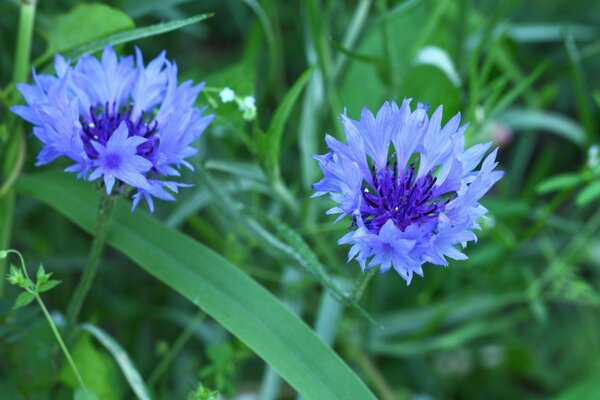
(408, 185)
(118, 120)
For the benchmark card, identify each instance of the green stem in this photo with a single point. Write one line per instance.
(175, 349)
(7, 205)
(20, 73)
(370, 370)
(91, 267)
(22, 56)
(50, 321)
(361, 284)
(61, 344)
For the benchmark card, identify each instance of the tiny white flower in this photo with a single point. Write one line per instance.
(593, 153)
(248, 108)
(227, 95)
(249, 102)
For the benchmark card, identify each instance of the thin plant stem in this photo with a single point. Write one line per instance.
(91, 267)
(20, 73)
(7, 204)
(24, 36)
(62, 345)
(361, 284)
(181, 340)
(370, 370)
(55, 331)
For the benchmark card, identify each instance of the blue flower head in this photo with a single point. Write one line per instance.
(117, 119)
(408, 185)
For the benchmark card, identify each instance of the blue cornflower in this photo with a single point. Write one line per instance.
(408, 185)
(116, 119)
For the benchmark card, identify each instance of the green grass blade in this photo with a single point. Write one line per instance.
(270, 144)
(522, 119)
(222, 290)
(127, 36)
(129, 370)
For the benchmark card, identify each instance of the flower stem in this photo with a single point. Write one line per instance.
(175, 349)
(91, 267)
(7, 204)
(361, 283)
(24, 36)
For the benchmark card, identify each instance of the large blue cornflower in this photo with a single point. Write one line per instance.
(116, 119)
(408, 185)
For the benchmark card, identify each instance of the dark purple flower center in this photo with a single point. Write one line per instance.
(112, 161)
(401, 197)
(104, 120)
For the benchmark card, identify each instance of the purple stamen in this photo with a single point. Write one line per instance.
(103, 120)
(400, 197)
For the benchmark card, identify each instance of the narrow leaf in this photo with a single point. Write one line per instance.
(127, 36)
(439, 58)
(221, 289)
(558, 182)
(48, 285)
(270, 143)
(129, 370)
(84, 23)
(545, 121)
(589, 194)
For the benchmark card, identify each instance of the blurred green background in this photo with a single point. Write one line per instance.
(519, 319)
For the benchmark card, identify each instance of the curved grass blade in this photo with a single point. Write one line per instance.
(222, 290)
(270, 143)
(129, 370)
(301, 252)
(285, 242)
(125, 37)
(546, 121)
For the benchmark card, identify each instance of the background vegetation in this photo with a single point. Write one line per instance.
(519, 319)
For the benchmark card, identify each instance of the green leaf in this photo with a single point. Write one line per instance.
(99, 372)
(558, 182)
(299, 251)
(48, 285)
(23, 299)
(41, 276)
(546, 121)
(270, 143)
(83, 24)
(129, 370)
(221, 289)
(596, 96)
(589, 194)
(84, 394)
(439, 58)
(399, 9)
(127, 36)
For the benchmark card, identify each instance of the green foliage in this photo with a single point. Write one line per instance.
(519, 319)
(210, 282)
(98, 370)
(85, 23)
